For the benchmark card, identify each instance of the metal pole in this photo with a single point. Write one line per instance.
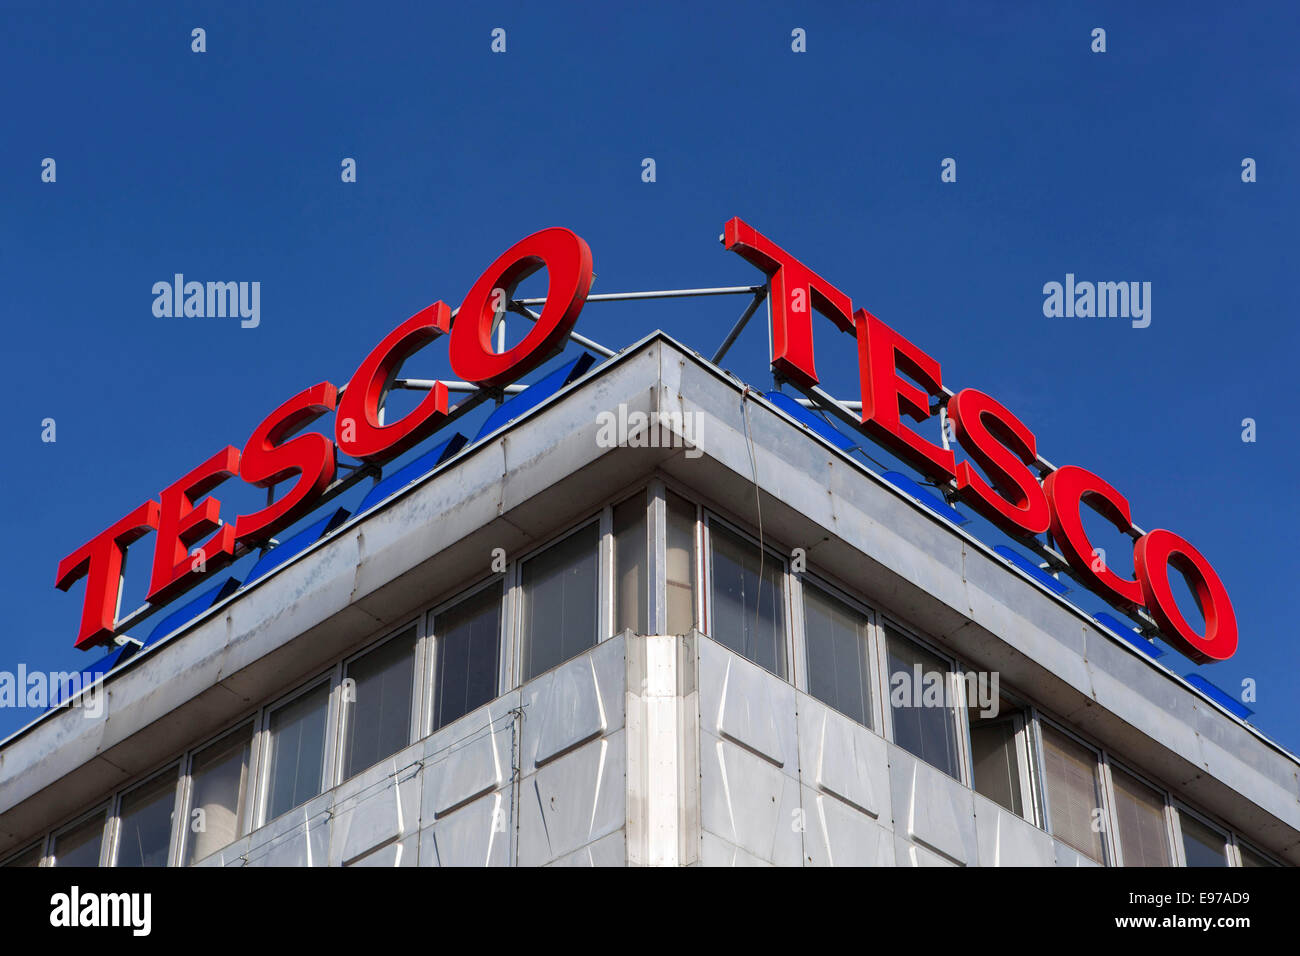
(740, 325)
(582, 340)
(663, 294)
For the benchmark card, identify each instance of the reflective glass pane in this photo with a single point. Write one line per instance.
(835, 637)
(218, 791)
(631, 565)
(144, 828)
(920, 700)
(560, 601)
(748, 600)
(298, 750)
(377, 692)
(80, 845)
(1202, 845)
(466, 671)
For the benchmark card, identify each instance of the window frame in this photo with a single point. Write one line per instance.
(103, 807)
(661, 486)
(414, 726)
(954, 689)
(429, 643)
(1033, 795)
(41, 845)
(333, 678)
(177, 769)
(1180, 807)
(800, 675)
(603, 520)
(1112, 820)
(253, 722)
(706, 518)
(1104, 787)
(609, 600)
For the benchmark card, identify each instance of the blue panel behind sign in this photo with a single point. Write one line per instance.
(814, 422)
(1134, 637)
(535, 394)
(300, 542)
(1031, 569)
(929, 499)
(390, 485)
(1222, 697)
(192, 610)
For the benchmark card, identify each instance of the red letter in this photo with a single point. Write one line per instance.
(568, 261)
(794, 288)
(1001, 445)
(181, 524)
(882, 353)
(1153, 555)
(357, 428)
(269, 459)
(99, 560)
(1066, 488)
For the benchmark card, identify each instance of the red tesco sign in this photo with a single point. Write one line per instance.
(1012, 496)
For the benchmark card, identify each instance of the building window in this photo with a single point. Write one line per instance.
(1140, 812)
(1249, 857)
(560, 601)
(297, 731)
(467, 638)
(679, 556)
(218, 794)
(920, 703)
(747, 613)
(1073, 786)
(144, 827)
(32, 857)
(999, 748)
(835, 641)
(378, 688)
(1203, 845)
(631, 565)
(81, 843)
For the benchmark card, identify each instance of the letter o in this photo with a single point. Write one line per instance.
(1153, 555)
(567, 259)
(1066, 489)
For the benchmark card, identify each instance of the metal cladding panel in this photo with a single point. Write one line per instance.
(470, 757)
(1068, 856)
(577, 701)
(842, 759)
(1008, 840)
(912, 854)
(742, 703)
(473, 835)
(607, 851)
(715, 851)
(573, 801)
(840, 834)
(932, 809)
(749, 802)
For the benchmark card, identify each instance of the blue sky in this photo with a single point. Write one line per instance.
(1122, 166)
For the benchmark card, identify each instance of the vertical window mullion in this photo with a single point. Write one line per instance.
(657, 558)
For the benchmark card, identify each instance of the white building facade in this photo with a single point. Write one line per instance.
(551, 648)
